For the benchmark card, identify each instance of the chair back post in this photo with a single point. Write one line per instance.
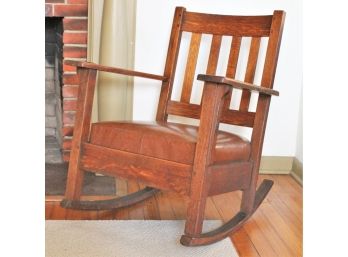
(263, 104)
(170, 66)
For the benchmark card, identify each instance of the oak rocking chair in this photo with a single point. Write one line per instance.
(195, 161)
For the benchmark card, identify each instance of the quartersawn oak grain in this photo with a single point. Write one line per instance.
(196, 180)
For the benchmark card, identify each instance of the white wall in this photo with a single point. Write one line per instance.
(299, 145)
(154, 18)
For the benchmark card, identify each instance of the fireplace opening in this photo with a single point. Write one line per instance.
(53, 89)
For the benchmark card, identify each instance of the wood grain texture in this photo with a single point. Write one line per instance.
(170, 66)
(227, 25)
(209, 120)
(263, 104)
(202, 176)
(237, 84)
(228, 116)
(232, 66)
(87, 80)
(160, 173)
(250, 72)
(99, 67)
(214, 54)
(190, 67)
(229, 177)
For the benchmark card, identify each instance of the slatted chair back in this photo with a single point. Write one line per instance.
(238, 27)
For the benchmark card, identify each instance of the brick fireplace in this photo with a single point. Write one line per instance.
(66, 38)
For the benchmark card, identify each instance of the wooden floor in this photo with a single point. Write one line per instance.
(274, 230)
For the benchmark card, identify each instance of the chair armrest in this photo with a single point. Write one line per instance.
(94, 66)
(237, 84)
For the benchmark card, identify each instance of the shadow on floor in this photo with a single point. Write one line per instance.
(55, 179)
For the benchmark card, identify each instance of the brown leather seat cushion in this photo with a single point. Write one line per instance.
(169, 141)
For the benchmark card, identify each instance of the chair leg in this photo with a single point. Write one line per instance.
(75, 174)
(74, 182)
(194, 220)
(248, 195)
(230, 226)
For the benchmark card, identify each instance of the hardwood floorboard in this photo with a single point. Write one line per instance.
(165, 208)
(284, 229)
(48, 210)
(179, 205)
(275, 240)
(121, 190)
(243, 244)
(288, 186)
(151, 211)
(294, 202)
(260, 241)
(121, 214)
(211, 212)
(228, 205)
(136, 211)
(58, 213)
(274, 230)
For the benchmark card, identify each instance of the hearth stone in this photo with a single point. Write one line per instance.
(56, 174)
(53, 153)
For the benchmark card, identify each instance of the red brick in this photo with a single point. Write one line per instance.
(69, 68)
(70, 10)
(66, 144)
(67, 131)
(77, 1)
(75, 24)
(70, 79)
(75, 38)
(48, 10)
(75, 52)
(69, 105)
(69, 118)
(70, 91)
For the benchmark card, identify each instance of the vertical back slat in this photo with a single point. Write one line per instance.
(250, 72)
(214, 54)
(232, 66)
(190, 67)
(169, 70)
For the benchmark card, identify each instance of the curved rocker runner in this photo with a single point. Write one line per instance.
(232, 225)
(110, 204)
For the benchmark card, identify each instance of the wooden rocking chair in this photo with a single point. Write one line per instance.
(194, 161)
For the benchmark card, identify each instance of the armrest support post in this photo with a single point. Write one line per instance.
(208, 126)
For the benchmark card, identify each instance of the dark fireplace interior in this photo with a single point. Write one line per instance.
(53, 88)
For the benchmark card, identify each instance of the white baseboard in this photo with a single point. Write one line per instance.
(282, 165)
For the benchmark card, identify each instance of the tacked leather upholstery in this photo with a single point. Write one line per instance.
(169, 141)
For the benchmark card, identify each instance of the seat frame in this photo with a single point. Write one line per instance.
(204, 178)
